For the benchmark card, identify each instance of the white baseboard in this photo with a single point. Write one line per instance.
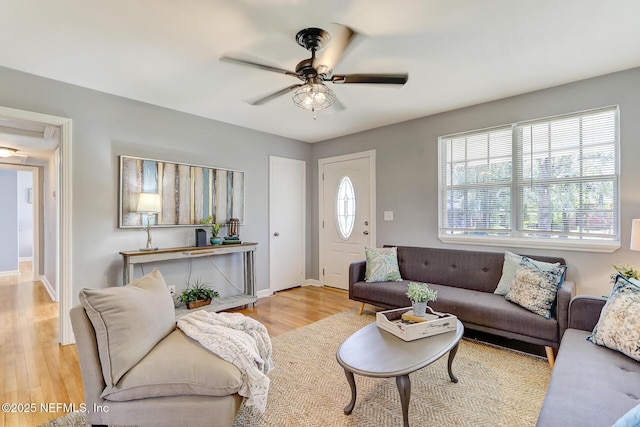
(312, 282)
(264, 293)
(9, 273)
(49, 288)
(26, 258)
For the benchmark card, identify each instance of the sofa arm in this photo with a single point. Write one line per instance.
(356, 273)
(584, 312)
(566, 292)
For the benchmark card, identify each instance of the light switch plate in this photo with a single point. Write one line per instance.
(388, 215)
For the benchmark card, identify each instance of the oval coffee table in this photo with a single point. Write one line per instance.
(374, 352)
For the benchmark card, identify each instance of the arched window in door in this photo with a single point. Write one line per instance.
(345, 207)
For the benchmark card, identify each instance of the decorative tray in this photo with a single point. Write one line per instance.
(435, 323)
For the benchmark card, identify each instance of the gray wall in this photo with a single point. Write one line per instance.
(8, 220)
(106, 126)
(407, 168)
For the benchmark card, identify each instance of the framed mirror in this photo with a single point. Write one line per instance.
(182, 194)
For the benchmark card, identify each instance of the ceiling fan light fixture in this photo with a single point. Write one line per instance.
(7, 152)
(314, 97)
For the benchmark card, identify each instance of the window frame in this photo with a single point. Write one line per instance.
(516, 239)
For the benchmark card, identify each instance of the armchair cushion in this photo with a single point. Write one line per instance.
(178, 365)
(128, 321)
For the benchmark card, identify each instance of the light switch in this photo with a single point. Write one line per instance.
(388, 215)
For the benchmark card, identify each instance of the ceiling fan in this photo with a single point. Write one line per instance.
(312, 94)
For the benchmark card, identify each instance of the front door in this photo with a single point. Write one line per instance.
(347, 214)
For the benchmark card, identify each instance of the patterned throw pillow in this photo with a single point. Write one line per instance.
(619, 325)
(535, 288)
(382, 265)
(509, 268)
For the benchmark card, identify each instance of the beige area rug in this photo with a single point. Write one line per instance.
(496, 387)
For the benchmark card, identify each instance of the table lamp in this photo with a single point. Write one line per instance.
(635, 235)
(149, 203)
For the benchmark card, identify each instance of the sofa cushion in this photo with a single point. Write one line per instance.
(128, 321)
(382, 265)
(585, 379)
(493, 311)
(511, 262)
(534, 288)
(475, 307)
(177, 365)
(619, 325)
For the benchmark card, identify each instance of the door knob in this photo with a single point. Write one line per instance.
(365, 232)
(276, 234)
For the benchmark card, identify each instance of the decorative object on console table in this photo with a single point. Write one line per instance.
(231, 241)
(215, 229)
(149, 204)
(420, 294)
(198, 294)
(233, 227)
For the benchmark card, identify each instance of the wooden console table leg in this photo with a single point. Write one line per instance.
(352, 383)
(404, 388)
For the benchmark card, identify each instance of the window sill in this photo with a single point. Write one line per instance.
(515, 242)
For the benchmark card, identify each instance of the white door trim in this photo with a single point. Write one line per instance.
(371, 155)
(64, 199)
(303, 163)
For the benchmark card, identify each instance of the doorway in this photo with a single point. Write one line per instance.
(287, 207)
(347, 214)
(62, 195)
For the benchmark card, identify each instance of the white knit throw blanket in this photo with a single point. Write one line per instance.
(239, 340)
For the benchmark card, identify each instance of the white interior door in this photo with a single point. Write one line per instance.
(287, 202)
(347, 215)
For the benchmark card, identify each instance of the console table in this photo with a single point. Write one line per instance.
(131, 258)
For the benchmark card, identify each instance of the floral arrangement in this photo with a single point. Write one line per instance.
(421, 292)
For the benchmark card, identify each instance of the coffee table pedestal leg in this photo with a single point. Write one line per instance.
(452, 354)
(404, 388)
(352, 383)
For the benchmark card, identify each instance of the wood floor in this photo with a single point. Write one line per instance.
(35, 369)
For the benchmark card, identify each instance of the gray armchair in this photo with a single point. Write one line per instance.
(175, 382)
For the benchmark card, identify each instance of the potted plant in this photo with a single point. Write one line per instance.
(215, 229)
(627, 271)
(197, 294)
(420, 294)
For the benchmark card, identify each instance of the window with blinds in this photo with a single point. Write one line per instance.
(554, 179)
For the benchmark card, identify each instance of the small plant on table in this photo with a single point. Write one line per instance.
(420, 294)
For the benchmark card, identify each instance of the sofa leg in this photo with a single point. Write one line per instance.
(361, 308)
(550, 356)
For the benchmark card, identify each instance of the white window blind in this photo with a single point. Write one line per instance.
(568, 176)
(476, 197)
(550, 179)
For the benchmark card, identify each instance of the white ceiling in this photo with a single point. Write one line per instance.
(457, 52)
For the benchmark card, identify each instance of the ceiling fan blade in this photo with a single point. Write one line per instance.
(274, 95)
(340, 39)
(385, 79)
(257, 65)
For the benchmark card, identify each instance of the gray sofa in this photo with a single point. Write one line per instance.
(465, 281)
(590, 385)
